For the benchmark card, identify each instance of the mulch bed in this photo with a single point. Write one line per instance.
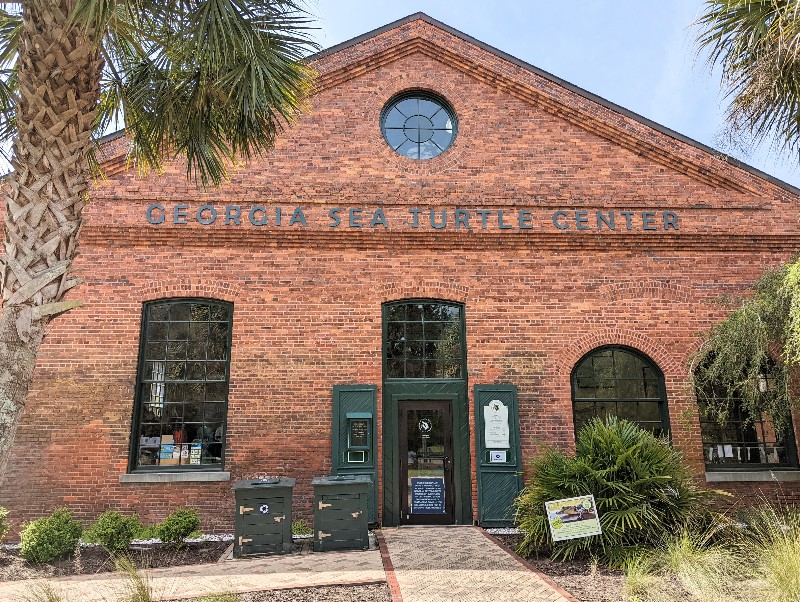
(334, 593)
(95, 559)
(583, 579)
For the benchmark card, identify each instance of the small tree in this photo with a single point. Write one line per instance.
(748, 356)
(211, 80)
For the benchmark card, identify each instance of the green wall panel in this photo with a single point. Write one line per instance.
(499, 482)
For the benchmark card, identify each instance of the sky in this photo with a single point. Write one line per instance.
(639, 54)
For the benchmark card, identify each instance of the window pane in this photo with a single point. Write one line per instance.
(159, 313)
(180, 312)
(155, 351)
(200, 312)
(628, 411)
(198, 331)
(157, 331)
(196, 351)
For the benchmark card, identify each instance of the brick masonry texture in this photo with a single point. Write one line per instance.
(307, 300)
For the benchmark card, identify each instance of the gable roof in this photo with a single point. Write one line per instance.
(641, 146)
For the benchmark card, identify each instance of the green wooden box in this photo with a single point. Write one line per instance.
(263, 517)
(341, 512)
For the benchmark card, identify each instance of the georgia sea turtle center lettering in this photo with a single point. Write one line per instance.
(415, 218)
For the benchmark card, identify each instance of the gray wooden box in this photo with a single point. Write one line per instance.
(341, 512)
(263, 517)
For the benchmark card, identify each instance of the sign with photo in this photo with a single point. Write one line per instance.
(573, 517)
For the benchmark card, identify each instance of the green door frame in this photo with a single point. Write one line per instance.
(454, 391)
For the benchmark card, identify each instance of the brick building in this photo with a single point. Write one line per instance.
(451, 261)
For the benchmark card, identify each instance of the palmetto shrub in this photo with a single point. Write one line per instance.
(641, 485)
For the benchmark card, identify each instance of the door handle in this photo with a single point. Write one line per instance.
(446, 462)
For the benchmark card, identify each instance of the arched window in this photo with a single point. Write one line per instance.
(622, 382)
(182, 385)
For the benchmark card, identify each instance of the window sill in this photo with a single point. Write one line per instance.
(735, 476)
(175, 477)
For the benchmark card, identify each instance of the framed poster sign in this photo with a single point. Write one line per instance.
(573, 517)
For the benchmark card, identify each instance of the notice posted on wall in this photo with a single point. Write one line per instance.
(427, 495)
(495, 424)
(573, 517)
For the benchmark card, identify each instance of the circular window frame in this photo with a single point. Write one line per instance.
(423, 95)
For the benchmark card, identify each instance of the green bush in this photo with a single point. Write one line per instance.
(299, 527)
(48, 538)
(3, 523)
(642, 488)
(114, 531)
(179, 525)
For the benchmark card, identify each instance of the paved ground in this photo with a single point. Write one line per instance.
(461, 563)
(420, 564)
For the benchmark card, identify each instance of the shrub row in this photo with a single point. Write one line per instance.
(51, 537)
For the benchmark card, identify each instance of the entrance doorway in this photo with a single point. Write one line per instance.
(426, 462)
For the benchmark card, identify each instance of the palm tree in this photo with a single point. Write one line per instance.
(212, 80)
(757, 45)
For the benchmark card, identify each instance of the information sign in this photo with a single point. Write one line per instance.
(573, 517)
(495, 425)
(359, 433)
(427, 495)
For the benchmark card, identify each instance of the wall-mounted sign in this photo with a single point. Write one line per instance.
(470, 220)
(573, 517)
(497, 456)
(427, 495)
(495, 425)
(359, 433)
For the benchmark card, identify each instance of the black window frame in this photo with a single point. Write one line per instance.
(661, 399)
(722, 466)
(387, 307)
(136, 422)
(420, 95)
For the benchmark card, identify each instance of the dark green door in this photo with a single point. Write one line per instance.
(426, 463)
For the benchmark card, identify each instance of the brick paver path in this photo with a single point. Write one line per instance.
(461, 563)
(275, 572)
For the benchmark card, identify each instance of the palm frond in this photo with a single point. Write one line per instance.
(214, 80)
(757, 45)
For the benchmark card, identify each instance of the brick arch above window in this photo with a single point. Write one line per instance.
(668, 363)
(444, 292)
(190, 287)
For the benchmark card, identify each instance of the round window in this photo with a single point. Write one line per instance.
(418, 125)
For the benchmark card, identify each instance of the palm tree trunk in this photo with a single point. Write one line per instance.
(59, 73)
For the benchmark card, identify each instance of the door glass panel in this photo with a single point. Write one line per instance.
(426, 462)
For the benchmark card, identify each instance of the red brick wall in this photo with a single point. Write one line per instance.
(307, 300)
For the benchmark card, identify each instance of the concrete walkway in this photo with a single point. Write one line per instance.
(420, 564)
